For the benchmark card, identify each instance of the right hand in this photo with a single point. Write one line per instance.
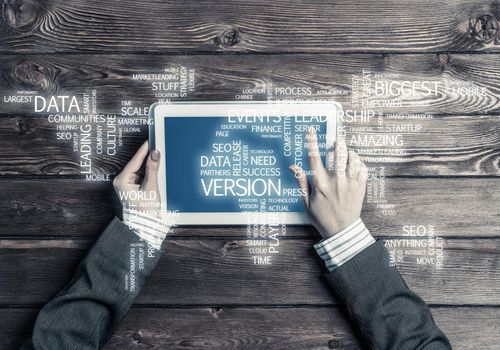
(334, 196)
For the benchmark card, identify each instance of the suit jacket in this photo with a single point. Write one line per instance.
(86, 312)
(388, 314)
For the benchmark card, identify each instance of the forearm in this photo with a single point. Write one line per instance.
(388, 313)
(86, 311)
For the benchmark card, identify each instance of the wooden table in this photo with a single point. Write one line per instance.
(206, 293)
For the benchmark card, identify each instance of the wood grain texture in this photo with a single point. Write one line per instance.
(56, 208)
(78, 208)
(206, 291)
(30, 148)
(36, 207)
(299, 328)
(242, 26)
(250, 328)
(222, 77)
(221, 272)
(447, 146)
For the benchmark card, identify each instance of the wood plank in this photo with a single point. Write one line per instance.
(292, 328)
(280, 26)
(55, 207)
(65, 207)
(447, 146)
(221, 272)
(250, 328)
(222, 77)
(30, 147)
(321, 328)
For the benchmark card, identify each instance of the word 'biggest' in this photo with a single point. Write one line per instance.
(406, 88)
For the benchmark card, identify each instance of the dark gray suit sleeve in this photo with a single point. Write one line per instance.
(85, 313)
(388, 314)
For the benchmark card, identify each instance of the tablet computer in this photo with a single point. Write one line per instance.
(224, 161)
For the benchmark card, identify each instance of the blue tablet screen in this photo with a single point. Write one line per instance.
(223, 164)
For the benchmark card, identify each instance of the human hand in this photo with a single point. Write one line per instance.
(334, 196)
(136, 187)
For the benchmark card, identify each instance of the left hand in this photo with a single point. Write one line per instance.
(136, 191)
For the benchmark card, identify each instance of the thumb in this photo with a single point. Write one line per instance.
(301, 179)
(151, 175)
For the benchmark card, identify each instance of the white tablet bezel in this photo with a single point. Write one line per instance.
(210, 109)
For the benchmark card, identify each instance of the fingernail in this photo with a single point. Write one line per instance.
(155, 155)
(295, 169)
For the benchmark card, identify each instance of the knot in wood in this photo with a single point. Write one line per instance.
(444, 58)
(137, 337)
(31, 76)
(215, 311)
(333, 344)
(234, 245)
(230, 38)
(484, 28)
(21, 14)
(23, 127)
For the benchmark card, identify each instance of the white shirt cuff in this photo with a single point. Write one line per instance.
(151, 229)
(338, 249)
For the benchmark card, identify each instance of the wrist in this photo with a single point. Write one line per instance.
(338, 249)
(152, 229)
(334, 230)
